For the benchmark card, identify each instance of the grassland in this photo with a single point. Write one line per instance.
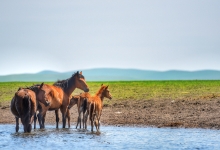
(136, 90)
(192, 103)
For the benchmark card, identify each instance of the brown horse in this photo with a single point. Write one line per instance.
(96, 105)
(93, 106)
(58, 96)
(24, 105)
(41, 101)
(81, 101)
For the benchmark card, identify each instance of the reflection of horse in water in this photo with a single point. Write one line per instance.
(24, 105)
(58, 95)
(92, 106)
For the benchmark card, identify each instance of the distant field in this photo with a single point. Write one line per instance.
(137, 90)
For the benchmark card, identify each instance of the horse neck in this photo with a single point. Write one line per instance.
(71, 86)
(101, 96)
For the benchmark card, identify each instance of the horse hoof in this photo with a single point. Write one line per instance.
(98, 132)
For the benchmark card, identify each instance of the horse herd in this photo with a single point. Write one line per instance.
(31, 103)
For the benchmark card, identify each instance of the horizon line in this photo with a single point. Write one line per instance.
(111, 68)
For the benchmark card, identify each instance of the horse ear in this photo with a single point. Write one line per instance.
(102, 84)
(81, 72)
(41, 85)
(106, 87)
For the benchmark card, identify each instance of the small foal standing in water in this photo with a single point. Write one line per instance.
(95, 105)
(90, 105)
(81, 101)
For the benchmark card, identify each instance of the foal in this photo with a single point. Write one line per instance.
(81, 102)
(95, 105)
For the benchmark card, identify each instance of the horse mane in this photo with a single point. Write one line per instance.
(99, 92)
(33, 87)
(64, 83)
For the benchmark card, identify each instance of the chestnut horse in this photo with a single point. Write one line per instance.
(93, 105)
(24, 105)
(58, 96)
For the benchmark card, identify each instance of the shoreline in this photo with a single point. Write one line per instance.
(202, 114)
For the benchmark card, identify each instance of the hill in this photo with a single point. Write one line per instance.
(104, 74)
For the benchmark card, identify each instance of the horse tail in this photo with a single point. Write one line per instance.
(91, 110)
(27, 108)
(84, 105)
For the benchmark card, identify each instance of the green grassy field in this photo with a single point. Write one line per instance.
(136, 90)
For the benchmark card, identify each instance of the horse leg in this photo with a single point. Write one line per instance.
(39, 116)
(99, 119)
(64, 117)
(68, 117)
(29, 127)
(91, 124)
(43, 121)
(17, 124)
(85, 119)
(79, 120)
(64, 120)
(35, 120)
(96, 121)
(57, 118)
(41, 110)
(92, 117)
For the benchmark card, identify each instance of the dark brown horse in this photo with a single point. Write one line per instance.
(24, 105)
(58, 96)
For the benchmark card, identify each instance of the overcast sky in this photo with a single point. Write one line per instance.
(142, 34)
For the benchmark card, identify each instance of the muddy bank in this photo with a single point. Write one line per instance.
(203, 113)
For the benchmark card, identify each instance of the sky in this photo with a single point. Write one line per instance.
(77, 35)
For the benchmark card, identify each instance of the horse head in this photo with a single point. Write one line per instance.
(106, 93)
(41, 94)
(73, 100)
(81, 82)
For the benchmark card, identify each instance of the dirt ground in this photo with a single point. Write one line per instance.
(204, 113)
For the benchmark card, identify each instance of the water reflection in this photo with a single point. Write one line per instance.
(110, 138)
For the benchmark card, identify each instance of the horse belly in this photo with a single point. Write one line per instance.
(55, 106)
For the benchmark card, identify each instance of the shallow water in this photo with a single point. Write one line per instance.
(111, 137)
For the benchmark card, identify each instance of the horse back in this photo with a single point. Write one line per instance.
(18, 104)
(56, 97)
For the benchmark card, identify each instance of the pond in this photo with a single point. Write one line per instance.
(111, 137)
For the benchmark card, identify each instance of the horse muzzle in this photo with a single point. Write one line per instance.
(86, 90)
(47, 103)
